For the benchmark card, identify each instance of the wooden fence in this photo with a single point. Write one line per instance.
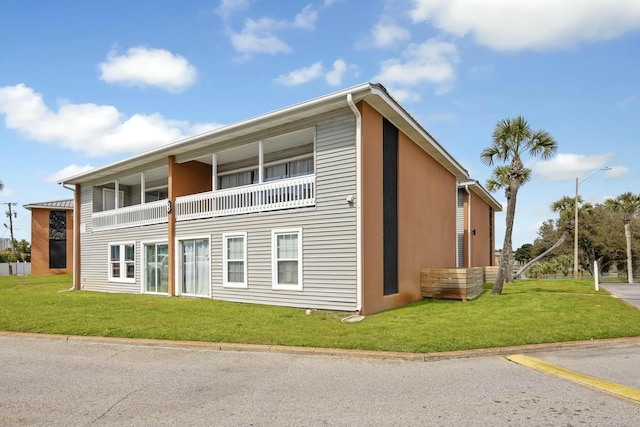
(452, 283)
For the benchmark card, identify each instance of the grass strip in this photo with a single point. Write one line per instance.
(528, 312)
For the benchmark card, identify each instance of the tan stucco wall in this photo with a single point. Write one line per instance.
(40, 243)
(426, 216)
(190, 178)
(372, 245)
(481, 245)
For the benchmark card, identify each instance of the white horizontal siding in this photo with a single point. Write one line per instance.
(328, 230)
(328, 234)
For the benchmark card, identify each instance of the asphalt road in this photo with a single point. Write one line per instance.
(48, 381)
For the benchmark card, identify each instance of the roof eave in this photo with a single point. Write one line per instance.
(301, 110)
(482, 192)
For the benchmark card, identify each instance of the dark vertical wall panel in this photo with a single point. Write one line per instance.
(390, 206)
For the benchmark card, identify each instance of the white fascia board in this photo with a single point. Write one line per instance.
(297, 111)
(481, 192)
(418, 134)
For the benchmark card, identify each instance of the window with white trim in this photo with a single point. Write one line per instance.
(155, 194)
(237, 179)
(234, 260)
(286, 253)
(289, 169)
(109, 199)
(122, 262)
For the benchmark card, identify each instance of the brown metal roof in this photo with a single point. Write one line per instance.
(66, 204)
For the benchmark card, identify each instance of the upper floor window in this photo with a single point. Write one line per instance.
(238, 179)
(109, 199)
(155, 194)
(289, 169)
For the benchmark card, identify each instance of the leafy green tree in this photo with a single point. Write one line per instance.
(563, 207)
(23, 250)
(565, 262)
(6, 255)
(535, 271)
(523, 253)
(513, 138)
(629, 205)
(550, 267)
(600, 239)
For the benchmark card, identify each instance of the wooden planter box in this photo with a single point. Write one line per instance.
(452, 283)
(490, 274)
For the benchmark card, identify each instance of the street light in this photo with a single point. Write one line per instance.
(575, 222)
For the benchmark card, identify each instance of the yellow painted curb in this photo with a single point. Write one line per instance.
(610, 387)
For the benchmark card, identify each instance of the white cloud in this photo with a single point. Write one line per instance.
(68, 172)
(306, 19)
(387, 33)
(256, 37)
(403, 95)
(94, 130)
(259, 36)
(571, 166)
(431, 62)
(227, 8)
(340, 68)
(301, 75)
(508, 25)
(316, 71)
(142, 66)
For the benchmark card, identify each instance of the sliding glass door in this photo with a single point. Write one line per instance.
(195, 268)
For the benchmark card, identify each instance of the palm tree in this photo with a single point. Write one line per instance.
(513, 138)
(1, 185)
(629, 204)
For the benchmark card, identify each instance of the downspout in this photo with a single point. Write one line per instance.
(359, 286)
(75, 227)
(457, 234)
(466, 188)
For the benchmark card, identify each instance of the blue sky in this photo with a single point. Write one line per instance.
(87, 83)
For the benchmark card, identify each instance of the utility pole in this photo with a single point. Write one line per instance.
(11, 215)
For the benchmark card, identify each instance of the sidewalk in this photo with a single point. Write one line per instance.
(629, 293)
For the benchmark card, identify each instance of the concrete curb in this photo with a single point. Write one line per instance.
(338, 352)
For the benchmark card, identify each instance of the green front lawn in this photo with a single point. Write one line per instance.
(528, 312)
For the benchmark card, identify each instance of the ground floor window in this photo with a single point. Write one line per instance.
(57, 239)
(195, 271)
(156, 268)
(287, 259)
(234, 260)
(122, 262)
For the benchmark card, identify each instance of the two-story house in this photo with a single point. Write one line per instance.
(334, 203)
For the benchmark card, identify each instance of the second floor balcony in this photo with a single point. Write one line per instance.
(270, 196)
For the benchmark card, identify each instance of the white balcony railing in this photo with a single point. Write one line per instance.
(130, 216)
(276, 195)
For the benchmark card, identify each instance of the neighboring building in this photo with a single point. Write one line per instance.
(51, 237)
(334, 203)
(5, 243)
